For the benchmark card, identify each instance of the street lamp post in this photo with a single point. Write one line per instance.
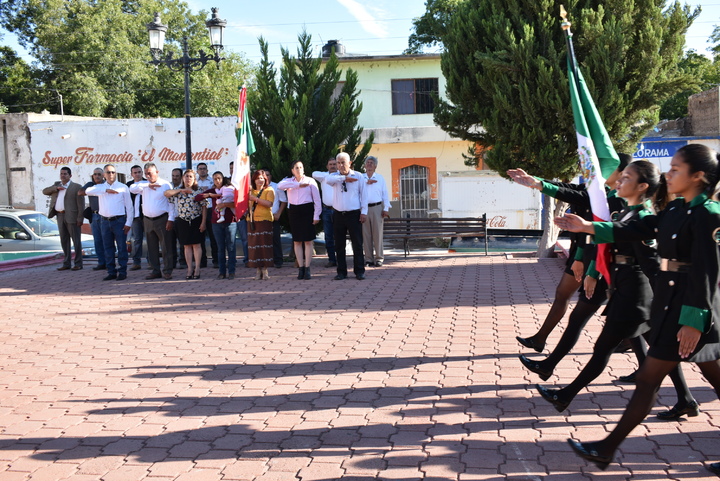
(187, 64)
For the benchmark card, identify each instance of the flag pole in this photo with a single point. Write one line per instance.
(568, 39)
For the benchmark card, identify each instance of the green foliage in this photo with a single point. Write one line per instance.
(95, 53)
(432, 25)
(295, 114)
(707, 74)
(19, 84)
(505, 67)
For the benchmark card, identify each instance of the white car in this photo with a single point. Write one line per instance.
(28, 230)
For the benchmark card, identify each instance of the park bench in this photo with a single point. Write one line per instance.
(430, 228)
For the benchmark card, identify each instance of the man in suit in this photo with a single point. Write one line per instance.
(68, 206)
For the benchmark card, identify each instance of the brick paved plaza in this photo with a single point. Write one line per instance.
(410, 374)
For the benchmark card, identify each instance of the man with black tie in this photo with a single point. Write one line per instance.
(68, 206)
(350, 207)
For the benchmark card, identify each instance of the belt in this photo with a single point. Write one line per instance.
(374, 204)
(60, 211)
(113, 217)
(624, 260)
(96, 212)
(668, 265)
(345, 212)
(325, 206)
(153, 218)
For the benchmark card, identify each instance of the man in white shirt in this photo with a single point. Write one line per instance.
(137, 231)
(68, 206)
(378, 209)
(350, 205)
(204, 181)
(116, 217)
(159, 217)
(327, 210)
(278, 207)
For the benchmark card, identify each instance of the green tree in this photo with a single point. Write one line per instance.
(429, 28)
(95, 53)
(299, 113)
(20, 84)
(704, 70)
(505, 67)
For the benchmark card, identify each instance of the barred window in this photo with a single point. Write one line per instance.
(413, 96)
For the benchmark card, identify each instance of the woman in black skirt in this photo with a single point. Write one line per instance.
(686, 308)
(189, 220)
(635, 266)
(304, 209)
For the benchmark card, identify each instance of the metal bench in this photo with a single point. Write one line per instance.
(430, 228)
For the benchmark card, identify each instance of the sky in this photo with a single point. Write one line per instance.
(372, 27)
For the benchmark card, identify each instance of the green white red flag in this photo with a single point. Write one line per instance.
(598, 158)
(245, 148)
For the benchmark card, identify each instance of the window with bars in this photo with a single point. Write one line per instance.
(414, 191)
(413, 96)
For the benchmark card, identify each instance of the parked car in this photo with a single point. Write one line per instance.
(28, 230)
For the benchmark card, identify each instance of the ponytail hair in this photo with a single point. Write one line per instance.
(662, 196)
(649, 174)
(701, 158)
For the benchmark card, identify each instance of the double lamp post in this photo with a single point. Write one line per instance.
(187, 64)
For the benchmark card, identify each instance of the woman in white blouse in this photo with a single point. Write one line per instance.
(304, 211)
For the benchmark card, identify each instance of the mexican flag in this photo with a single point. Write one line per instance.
(598, 158)
(245, 148)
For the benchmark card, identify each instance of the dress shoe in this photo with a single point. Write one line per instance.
(339, 277)
(331, 264)
(550, 395)
(136, 267)
(378, 263)
(535, 367)
(630, 378)
(121, 277)
(529, 342)
(690, 410)
(307, 273)
(153, 276)
(587, 451)
(714, 468)
(77, 268)
(221, 276)
(110, 277)
(65, 268)
(369, 264)
(99, 267)
(231, 276)
(360, 277)
(167, 277)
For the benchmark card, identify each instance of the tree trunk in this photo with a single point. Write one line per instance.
(551, 209)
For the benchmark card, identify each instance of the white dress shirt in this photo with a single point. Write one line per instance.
(113, 205)
(154, 202)
(60, 201)
(302, 195)
(280, 196)
(326, 190)
(351, 195)
(377, 192)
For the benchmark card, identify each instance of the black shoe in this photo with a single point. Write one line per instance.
(587, 451)
(690, 410)
(360, 277)
(339, 277)
(630, 378)
(301, 273)
(231, 276)
(550, 395)
(529, 342)
(535, 367)
(110, 277)
(307, 273)
(221, 276)
(99, 267)
(370, 264)
(714, 468)
(121, 277)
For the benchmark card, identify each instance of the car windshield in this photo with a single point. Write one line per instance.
(41, 224)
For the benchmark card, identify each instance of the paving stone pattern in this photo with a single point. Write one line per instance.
(410, 374)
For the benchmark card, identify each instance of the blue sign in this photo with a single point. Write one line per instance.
(657, 150)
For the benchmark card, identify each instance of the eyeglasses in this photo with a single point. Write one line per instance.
(97, 174)
(344, 186)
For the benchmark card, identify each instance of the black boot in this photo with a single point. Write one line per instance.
(301, 273)
(307, 273)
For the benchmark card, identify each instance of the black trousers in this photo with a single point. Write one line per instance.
(348, 223)
(277, 244)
